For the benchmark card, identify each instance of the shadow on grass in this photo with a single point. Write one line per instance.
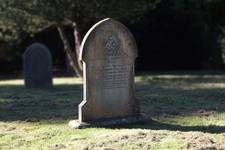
(60, 103)
(181, 95)
(156, 125)
(18, 103)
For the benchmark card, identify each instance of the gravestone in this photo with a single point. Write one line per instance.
(108, 53)
(37, 66)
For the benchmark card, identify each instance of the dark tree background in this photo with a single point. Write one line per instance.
(171, 34)
(181, 35)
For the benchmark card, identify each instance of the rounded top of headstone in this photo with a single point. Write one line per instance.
(110, 35)
(37, 47)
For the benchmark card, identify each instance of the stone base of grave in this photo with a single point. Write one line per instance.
(76, 124)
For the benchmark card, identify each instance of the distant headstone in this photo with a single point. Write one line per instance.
(37, 66)
(108, 53)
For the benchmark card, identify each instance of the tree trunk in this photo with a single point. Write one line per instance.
(77, 42)
(216, 49)
(212, 48)
(72, 56)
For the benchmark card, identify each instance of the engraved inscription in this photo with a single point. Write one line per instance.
(116, 76)
(115, 73)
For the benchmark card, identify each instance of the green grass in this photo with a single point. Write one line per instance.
(188, 112)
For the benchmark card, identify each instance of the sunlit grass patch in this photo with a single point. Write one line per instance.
(11, 82)
(67, 81)
(56, 81)
(183, 108)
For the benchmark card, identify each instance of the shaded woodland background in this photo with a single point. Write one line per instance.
(171, 35)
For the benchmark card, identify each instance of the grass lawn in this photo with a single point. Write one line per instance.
(188, 112)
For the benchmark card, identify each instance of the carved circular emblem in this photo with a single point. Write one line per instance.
(112, 43)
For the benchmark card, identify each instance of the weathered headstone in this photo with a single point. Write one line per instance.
(108, 53)
(37, 66)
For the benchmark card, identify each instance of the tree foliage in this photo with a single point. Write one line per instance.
(22, 18)
(33, 16)
(19, 17)
(209, 16)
